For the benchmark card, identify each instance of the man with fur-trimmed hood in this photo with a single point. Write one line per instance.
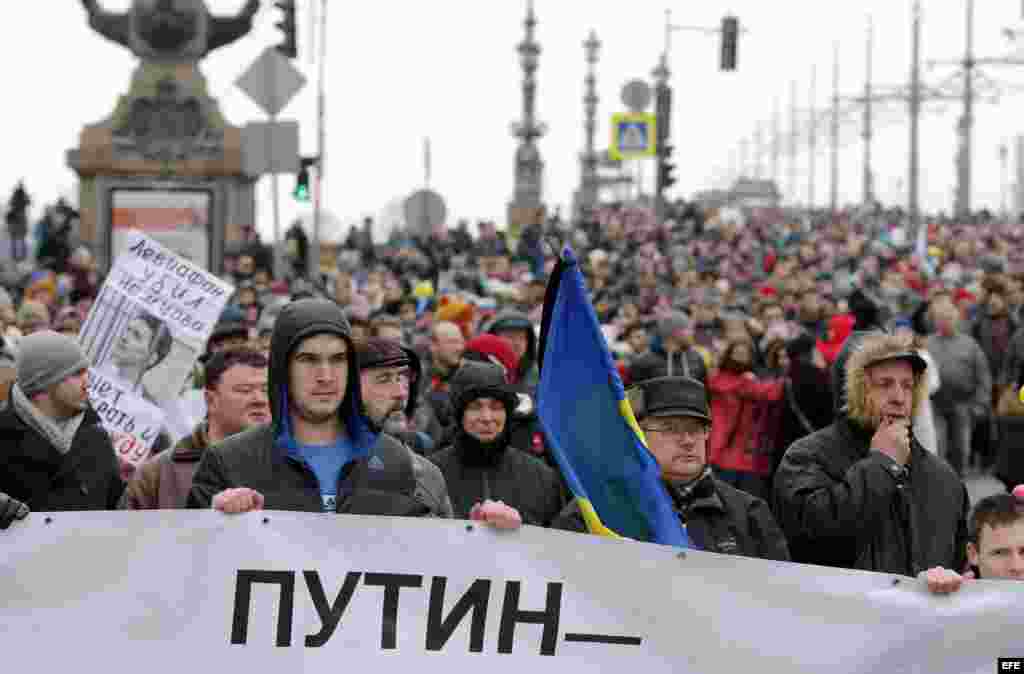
(863, 493)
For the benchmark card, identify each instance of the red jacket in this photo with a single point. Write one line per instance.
(734, 398)
(840, 327)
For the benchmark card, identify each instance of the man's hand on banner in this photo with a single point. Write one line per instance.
(496, 514)
(944, 581)
(11, 509)
(240, 500)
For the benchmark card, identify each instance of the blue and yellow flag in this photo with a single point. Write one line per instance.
(589, 425)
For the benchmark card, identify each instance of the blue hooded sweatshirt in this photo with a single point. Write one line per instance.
(298, 321)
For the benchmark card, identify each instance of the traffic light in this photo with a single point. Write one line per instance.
(297, 246)
(730, 38)
(665, 169)
(301, 192)
(663, 112)
(289, 47)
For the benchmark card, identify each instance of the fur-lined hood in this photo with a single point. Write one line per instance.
(860, 350)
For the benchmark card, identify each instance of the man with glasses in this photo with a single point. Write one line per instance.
(673, 413)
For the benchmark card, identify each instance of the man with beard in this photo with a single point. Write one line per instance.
(320, 452)
(389, 374)
(56, 454)
(863, 493)
(236, 399)
(481, 465)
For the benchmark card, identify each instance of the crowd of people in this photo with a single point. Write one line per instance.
(812, 390)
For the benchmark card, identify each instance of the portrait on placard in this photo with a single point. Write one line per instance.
(137, 348)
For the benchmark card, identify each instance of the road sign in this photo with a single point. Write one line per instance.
(270, 147)
(271, 81)
(634, 136)
(425, 209)
(636, 95)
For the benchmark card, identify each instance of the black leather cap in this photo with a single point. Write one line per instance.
(670, 397)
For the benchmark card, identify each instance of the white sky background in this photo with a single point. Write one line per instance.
(402, 70)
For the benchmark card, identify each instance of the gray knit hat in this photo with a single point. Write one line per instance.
(47, 358)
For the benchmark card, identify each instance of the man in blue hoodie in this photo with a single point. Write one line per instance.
(319, 453)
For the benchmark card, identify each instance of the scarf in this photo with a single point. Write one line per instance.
(58, 433)
(685, 493)
(475, 453)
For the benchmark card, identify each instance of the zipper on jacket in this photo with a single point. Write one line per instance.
(486, 485)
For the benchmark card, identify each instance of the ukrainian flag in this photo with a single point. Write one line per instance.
(589, 425)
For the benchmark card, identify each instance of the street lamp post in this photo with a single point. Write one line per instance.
(529, 167)
(588, 159)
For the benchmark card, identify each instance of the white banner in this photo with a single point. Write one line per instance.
(174, 591)
(143, 335)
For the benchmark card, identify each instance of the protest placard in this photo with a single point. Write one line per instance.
(148, 326)
(133, 423)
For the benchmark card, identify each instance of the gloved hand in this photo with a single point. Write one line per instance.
(11, 509)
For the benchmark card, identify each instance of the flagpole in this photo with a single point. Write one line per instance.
(427, 160)
(321, 142)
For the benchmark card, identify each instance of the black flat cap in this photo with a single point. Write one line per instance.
(670, 397)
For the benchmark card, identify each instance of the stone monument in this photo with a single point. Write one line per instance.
(165, 161)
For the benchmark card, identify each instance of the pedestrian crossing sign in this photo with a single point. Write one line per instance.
(634, 136)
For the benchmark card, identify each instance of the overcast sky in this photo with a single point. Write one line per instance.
(402, 70)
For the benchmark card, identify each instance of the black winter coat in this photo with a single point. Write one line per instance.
(522, 481)
(34, 472)
(842, 505)
(810, 391)
(407, 485)
(719, 518)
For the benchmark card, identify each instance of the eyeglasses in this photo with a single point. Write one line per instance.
(679, 429)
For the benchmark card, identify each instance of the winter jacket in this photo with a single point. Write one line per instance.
(839, 329)
(993, 336)
(477, 471)
(528, 374)
(522, 481)
(385, 478)
(841, 504)
(806, 405)
(689, 363)
(1011, 372)
(718, 518)
(964, 371)
(35, 473)
(736, 402)
(164, 480)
